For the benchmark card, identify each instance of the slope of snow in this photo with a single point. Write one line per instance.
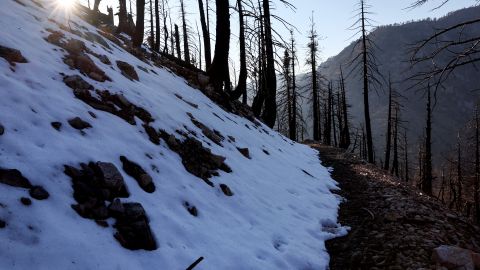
(278, 218)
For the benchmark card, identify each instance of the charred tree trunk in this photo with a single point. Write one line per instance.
(206, 35)
(219, 70)
(270, 112)
(157, 28)
(293, 123)
(177, 43)
(476, 185)
(427, 181)
(368, 126)
(389, 127)
(139, 27)
(123, 26)
(394, 170)
(151, 39)
(345, 142)
(186, 48)
(241, 88)
(407, 172)
(95, 5)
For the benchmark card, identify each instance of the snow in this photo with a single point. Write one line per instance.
(275, 220)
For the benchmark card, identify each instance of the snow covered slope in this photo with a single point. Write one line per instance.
(281, 212)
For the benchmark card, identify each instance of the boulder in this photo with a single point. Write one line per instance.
(12, 55)
(451, 257)
(116, 208)
(56, 125)
(77, 82)
(14, 178)
(127, 70)
(75, 46)
(143, 179)
(38, 193)
(111, 177)
(78, 123)
(133, 230)
(245, 152)
(226, 190)
(25, 201)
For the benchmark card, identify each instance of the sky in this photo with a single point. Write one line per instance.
(332, 18)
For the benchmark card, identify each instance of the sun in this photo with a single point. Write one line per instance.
(66, 4)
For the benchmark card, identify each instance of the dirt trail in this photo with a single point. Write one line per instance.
(392, 225)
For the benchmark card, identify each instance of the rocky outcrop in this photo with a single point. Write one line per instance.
(451, 257)
(127, 70)
(12, 55)
(196, 159)
(14, 178)
(95, 185)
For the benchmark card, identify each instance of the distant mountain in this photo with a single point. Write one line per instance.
(454, 104)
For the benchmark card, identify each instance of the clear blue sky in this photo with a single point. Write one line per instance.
(332, 18)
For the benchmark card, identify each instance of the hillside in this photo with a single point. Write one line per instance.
(109, 161)
(454, 104)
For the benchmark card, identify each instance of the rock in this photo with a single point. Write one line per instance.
(452, 257)
(75, 46)
(78, 123)
(3, 224)
(245, 152)
(133, 231)
(2, 130)
(56, 125)
(116, 208)
(111, 177)
(14, 178)
(152, 134)
(226, 190)
(38, 193)
(102, 223)
(55, 38)
(87, 66)
(95, 76)
(191, 209)
(100, 213)
(25, 201)
(144, 180)
(77, 82)
(12, 55)
(127, 70)
(476, 260)
(104, 59)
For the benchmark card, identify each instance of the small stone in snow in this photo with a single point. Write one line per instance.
(78, 123)
(56, 125)
(2, 130)
(38, 193)
(226, 190)
(26, 201)
(3, 224)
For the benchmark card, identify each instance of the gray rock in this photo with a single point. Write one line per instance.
(112, 178)
(14, 178)
(78, 123)
(77, 82)
(38, 193)
(453, 257)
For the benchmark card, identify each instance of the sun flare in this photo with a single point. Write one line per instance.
(66, 4)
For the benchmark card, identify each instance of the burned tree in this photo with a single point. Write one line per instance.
(312, 62)
(206, 35)
(426, 184)
(186, 48)
(365, 64)
(139, 28)
(219, 70)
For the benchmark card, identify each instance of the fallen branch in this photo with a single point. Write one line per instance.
(195, 263)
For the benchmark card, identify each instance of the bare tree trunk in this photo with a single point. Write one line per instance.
(389, 127)
(139, 28)
(394, 170)
(157, 27)
(476, 194)
(346, 129)
(95, 5)
(123, 18)
(151, 39)
(206, 35)
(270, 111)
(177, 43)
(427, 182)
(407, 172)
(293, 123)
(186, 48)
(241, 88)
(219, 70)
(368, 127)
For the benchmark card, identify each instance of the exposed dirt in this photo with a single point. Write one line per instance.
(393, 226)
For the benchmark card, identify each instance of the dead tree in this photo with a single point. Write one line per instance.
(139, 28)
(405, 155)
(365, 63)
(177, 43)
(156, 46)
(95, 5)
(186, 47)
(427, 174)
(241, 88)
(123, 25)
(293, 122)
(345, 132)
(312, 62)
(389, 127)
(463, 49)
(151, 38)
(476, 186)
(394, 169)
(206, 35)
(219, 70)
